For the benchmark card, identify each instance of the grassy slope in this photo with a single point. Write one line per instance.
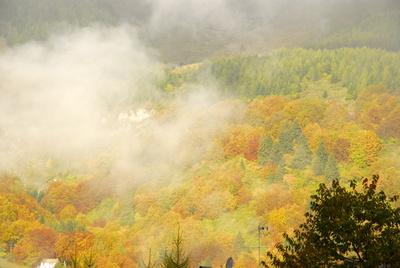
(315, 89)
(6, 264)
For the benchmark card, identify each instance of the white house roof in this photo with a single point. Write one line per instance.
(49, 261)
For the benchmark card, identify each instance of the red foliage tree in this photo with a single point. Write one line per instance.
(43, 240)
(341, 150)
(252, 147)
(90, 193)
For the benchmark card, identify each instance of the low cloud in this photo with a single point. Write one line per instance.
(56, 95)
(73, 98)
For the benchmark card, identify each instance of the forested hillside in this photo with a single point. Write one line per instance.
(379, 31)
(288, 72)
(259, 166)
(22, 21)
(115, 151)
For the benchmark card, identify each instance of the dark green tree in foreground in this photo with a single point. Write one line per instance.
(176, 258)
(346, 227)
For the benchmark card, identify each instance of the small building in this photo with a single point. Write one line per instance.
(48, 263)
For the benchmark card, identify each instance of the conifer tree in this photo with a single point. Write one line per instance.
(265, 150)
(296, 129)
(302, 154)
(149, 264)
(240, 243)
(280, 172)
(276, 153)
(320, 159)
(176, 258)
(331, 171)
(285, 139)
(321, 152)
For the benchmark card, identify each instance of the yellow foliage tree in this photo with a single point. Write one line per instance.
(364, 148)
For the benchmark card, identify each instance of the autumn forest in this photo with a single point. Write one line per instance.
(111, 158)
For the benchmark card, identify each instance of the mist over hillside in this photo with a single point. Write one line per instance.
(83, 93)
(190, 31)
(182, 32)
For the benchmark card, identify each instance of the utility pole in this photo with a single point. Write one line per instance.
(261, 229)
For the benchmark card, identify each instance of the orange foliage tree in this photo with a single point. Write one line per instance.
(71, 247)
(259, 111)
(390, 126)
(58, 195)
(306, 111)
(37, 244)
(235, 146)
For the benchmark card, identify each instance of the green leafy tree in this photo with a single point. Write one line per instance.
(346, 227)
(176, 258)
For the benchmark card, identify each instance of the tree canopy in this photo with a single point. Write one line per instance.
(346, 227)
